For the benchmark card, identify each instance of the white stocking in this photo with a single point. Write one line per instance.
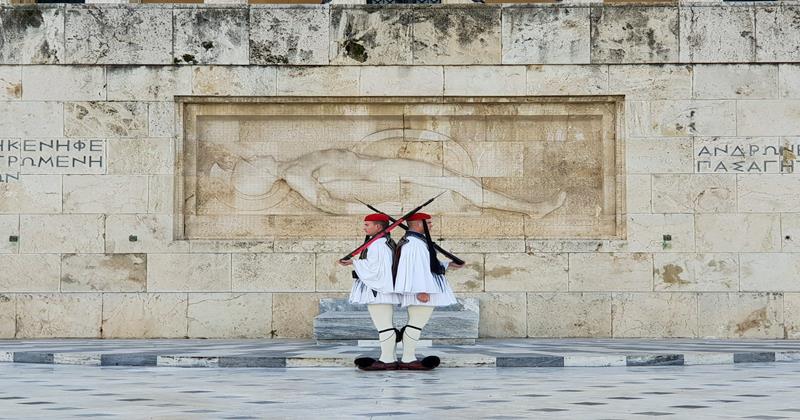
(418, 316)
(382, 314)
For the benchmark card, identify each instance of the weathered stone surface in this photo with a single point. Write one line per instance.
(148, 83)
(105, 194)
(8, 315)
(546, 35)
(68, 315)
(717, 34)
(456, 35)
(29, 272)
(32, 119)
(153, 234)
(576, 314)
(790, 231)
(646, 232)
(318, 81)
(769, 272)
(273, 272)
(526, 272)
(229, 315)
(659, 155)
(61, 233)
(739, 154)
(63, 83)
(501, 314)
(289, 35)
(317, 245)
(481, 226)
(567, 80)
(484, 80)
(189, 272)
(144, 315)
(32, 35)
(694, 193)
(639, 193)
(737, 232)
(791, 315)
(777, 33)
(654, 314)
(234, 81)
(103, 272)
(160, 194)
(768, 118)
(371, 35)
(161, 119)
(10, 82)
(293, 313)
(330, 276)
(768, 193)
(118, 35)
(9, 226)
(741, 315)
(682, 118)
(231, 246)
(634, 34)
(788, 80)
(402, 80)
(140, 156)
(211, 36)
(610, 272)
(687, 272)
(105, 119)
(469, 278)
(31, 194)
(663, 81)
(734, 81)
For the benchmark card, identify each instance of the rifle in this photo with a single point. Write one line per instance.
(444, 252)
(388, 229)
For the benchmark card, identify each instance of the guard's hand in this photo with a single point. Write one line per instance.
(345, 263)
(455, 266)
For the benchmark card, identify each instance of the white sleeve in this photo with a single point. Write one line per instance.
(369, 269)
(445, 264)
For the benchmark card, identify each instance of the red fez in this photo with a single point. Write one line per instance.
(376, 217)
(419, 216)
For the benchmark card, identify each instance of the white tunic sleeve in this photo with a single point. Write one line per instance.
(376, 270)
(413, 268)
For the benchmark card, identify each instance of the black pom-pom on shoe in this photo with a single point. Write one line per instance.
(431, 362)
(363, 362)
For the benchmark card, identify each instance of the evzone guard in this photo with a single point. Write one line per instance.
(408, 274)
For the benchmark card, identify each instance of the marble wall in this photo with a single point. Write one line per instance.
(93, 175)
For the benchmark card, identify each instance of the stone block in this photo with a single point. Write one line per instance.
(526, 272)
(68, 315)
(646, 232)
(234, 81)
(768, 193)
(777, 33)
(29, 272)
(737, 154)
(610, 272)
(501, 314)
(371, 35)
(293, 313)
(768, 118)
(61, 233)
(569, 314)
(740, 315)
(105, 119)
(160, 194)
(700, 117)
(142, 156)
(694, 193)
(634, 34)
(105, 194)
(161, 119)
(329, 275)
(737, 232)
(319, 81)
(32, 119)
(654, 315)
(189, 273)
(148, 83)
(790, 232)
(8, 315)
(9, 226)
(469, 278)
(639, 193)
(273, 272)
(402, 80)
(642, 81)
(144, 315)
(735, 81)
(553, 35)
(689, 272)
(788, 80)
(659, 155)
(31, 194)
(103, 272)
(567, 79)
(717, 34)
(211, 36)
(230, 315)
(289, 35)
(63, 83)
(770, 272)
(118, 35)
(456, 35)
(791, 316)
(484, 80)
(154, 233)
(32, 35)
(10, 82)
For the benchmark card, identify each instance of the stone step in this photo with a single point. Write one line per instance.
(357, 325)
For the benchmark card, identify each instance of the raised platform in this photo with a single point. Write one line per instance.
(341, 322)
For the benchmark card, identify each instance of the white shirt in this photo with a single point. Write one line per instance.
(414, 268)
(376, 270)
